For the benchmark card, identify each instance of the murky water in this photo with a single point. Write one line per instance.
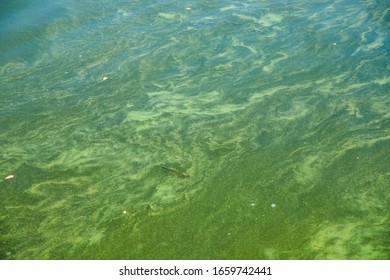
(275, 113)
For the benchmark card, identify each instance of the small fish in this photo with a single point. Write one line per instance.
(174, 172)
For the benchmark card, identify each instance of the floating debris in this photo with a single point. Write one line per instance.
(174, 172)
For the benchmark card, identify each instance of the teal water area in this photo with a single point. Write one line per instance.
(195, 130)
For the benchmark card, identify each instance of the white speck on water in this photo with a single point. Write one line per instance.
(273, 205)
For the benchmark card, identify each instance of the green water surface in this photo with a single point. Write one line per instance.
(276, 113)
